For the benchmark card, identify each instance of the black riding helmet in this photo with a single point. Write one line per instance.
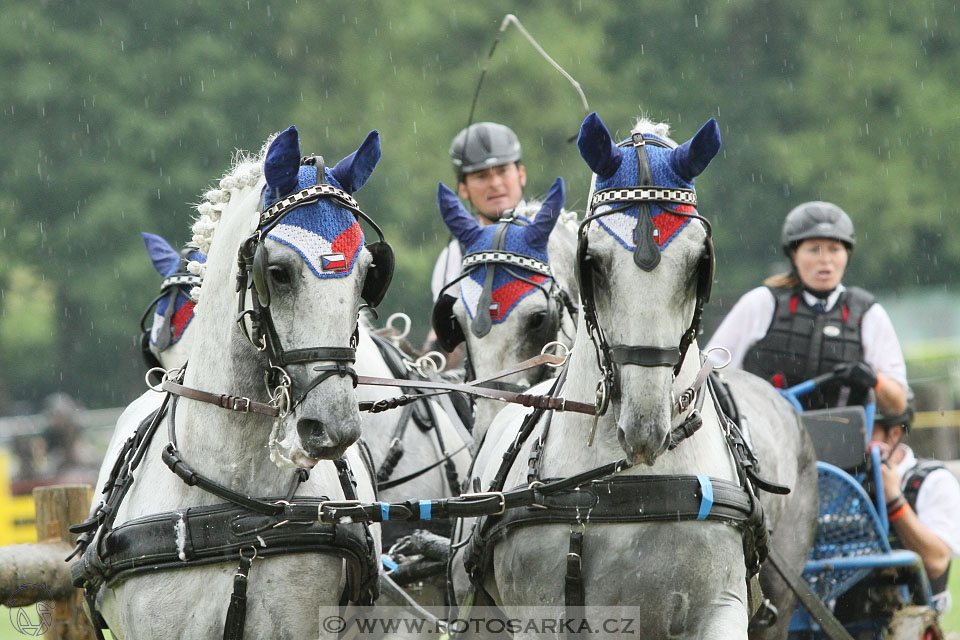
(904, 419)
(483, 145)
(816, 220)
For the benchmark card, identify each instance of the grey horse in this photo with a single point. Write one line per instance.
(708, 600)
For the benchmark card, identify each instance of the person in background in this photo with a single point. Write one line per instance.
(806, 323)
(486, 158)
(923, 502)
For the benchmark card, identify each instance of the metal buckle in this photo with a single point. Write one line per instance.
(578, 557)
(334, 504)
(246, 405)
(488, 494)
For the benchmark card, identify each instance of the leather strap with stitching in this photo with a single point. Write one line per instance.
(233, 403)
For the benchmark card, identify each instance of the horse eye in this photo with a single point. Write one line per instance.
(538, 319)
(280, 274)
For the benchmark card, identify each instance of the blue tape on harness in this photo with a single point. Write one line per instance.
(384, 511)
(425, 509)
(388, 562)
(706, 499)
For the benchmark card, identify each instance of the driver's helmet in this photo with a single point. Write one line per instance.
(905, 419)
(483, 145)
(816, 220)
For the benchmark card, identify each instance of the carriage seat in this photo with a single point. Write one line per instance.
(839, 435)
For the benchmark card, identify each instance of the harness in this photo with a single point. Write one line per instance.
(242, 526)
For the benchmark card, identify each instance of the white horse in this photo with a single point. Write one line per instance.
(309, 270)
(645, 272)
(530, 304)
(427, 434)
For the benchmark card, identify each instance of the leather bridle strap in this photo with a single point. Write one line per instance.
(527, 400)
(645, 356)
(233, 403)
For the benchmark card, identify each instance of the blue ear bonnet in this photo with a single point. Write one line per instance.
(507, 289)
(327, 236)
(622, 224)
(182, 307)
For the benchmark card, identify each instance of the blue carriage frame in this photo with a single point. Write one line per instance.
(852, 537)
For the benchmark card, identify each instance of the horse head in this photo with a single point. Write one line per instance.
(304, 266)
(166, 343)
(644, 268)
(509, 303)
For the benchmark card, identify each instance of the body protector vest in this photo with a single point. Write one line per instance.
(911, 489)
(801, 344)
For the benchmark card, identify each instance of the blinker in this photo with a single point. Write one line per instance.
(260, 260)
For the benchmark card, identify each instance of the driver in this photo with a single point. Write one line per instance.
(923, 502)
(806, 322)
(486, 159)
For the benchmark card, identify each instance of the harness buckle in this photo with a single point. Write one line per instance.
(245, 408)
(482, 495)
(334, 504)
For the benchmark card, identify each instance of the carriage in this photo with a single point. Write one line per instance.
(877, 591)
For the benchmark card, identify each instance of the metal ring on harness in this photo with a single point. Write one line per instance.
(430, 360)
(400, 335)
(719, 348)
(156, 387)
(560, 347)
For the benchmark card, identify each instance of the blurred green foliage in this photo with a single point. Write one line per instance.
(115, 120)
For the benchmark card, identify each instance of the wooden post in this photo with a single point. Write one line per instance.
(57, 508)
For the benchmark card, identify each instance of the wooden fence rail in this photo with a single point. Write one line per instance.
(36, 574)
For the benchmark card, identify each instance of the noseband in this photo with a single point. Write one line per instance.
(252, 261)
(647, 257)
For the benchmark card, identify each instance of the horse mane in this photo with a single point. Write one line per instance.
(659, 129)
(245, 171)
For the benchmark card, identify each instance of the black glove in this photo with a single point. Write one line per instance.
(857, 374)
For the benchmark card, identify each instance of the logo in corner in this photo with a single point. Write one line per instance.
(32, 622)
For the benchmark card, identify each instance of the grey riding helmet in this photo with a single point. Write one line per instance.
(816, 220)
(483, 145)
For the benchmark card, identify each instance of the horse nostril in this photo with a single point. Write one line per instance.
(313, 435)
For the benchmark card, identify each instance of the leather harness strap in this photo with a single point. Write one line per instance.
(233, 403)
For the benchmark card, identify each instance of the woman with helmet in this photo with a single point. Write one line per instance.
(806, 322)
(486, 159)
(923, 500)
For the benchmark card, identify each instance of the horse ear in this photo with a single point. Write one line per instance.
(282, 164)
(692, 157)
(597, 147)
(462, 225)
(538, 232)
(352, 172)
(165, 259)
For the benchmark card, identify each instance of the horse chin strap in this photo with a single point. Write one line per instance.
(646, 256)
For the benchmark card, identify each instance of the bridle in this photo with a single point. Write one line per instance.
(647, 257)
(445, 323)
(180, 282)
(252, 261)
(448, 329)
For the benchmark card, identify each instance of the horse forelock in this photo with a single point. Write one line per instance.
(651, 127)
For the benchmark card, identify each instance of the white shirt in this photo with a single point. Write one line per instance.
(938, 509)
(750, 318)
(447, 268)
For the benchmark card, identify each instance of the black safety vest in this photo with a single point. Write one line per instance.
(801, 344)
(911, 489)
